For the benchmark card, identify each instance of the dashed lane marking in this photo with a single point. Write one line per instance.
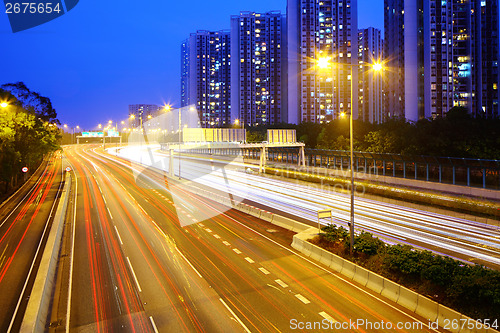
(302, 299)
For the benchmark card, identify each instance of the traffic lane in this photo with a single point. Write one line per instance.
(344, 300)
(280, 320)
(460, 229)
(370, 316)
(169, 288)
(106, 297)
(133, 226)
(21, 240)
(244, 287)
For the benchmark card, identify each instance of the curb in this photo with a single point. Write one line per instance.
(403, 296)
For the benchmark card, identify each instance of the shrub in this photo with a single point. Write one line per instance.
(367, 244)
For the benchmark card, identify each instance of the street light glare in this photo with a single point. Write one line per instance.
(342, 115)
(324, 62)
(377, 66)
(4, 104)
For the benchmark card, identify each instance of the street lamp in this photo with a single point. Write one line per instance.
(4, 104)
(324, 62)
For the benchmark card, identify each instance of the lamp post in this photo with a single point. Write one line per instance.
(324, 62)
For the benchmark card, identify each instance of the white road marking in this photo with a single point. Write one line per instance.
(135, 277)
(281, 283)
(216, 236)
(109, 213)
(237, 251)
(189, 263)
(327, 317)
(226, 243)
(249, 260)
(235, 316)
(119, 238)
(302, 299)
(263, 270)
(208, 230)
(153, 324)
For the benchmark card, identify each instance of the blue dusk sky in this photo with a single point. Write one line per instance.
(102, 56)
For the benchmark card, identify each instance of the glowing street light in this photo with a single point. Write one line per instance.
(4, 104)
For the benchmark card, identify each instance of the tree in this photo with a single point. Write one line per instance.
(32, 101)
(24, 140)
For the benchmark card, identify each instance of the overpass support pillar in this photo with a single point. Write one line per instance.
(302, 157)
(263, 159)
(171, 164)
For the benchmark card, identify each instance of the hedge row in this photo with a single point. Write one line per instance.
(473, 290)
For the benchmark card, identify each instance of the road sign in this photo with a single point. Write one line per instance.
(25, 169)
(68, 169)
(324, 214)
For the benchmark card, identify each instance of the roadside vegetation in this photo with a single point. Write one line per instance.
(456, 135)
(28, 132)
(473, 290)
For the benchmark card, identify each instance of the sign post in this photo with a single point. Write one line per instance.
(25, 171)
(324, 214)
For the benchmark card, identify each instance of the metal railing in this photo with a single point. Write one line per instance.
(448, 170)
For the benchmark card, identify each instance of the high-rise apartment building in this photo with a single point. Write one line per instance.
(322, 29)
(442, 54)
(258, 68)
(206, 76)
(394, 56)
(370, 104)
(144, 112)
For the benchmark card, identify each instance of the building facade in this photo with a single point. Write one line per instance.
(206, 76)
(442, 54)
(322, 29)
(144, 112)
(258, 68)
(370, 50)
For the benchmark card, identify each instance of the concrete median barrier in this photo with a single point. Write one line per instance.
(375, 282)
(337, 263)
(326, 259)
(361, 275)
(35, 317)
(289, 224)
(266, 216)
(391, 290)
(407, 298)
(348, 269)
(316, 252)
(447, 314)
(427, 308)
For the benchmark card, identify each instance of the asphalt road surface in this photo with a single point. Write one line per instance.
(136, 268)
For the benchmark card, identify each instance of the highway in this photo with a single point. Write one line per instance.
(466, 240)
(136, 267)
(24, 223)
